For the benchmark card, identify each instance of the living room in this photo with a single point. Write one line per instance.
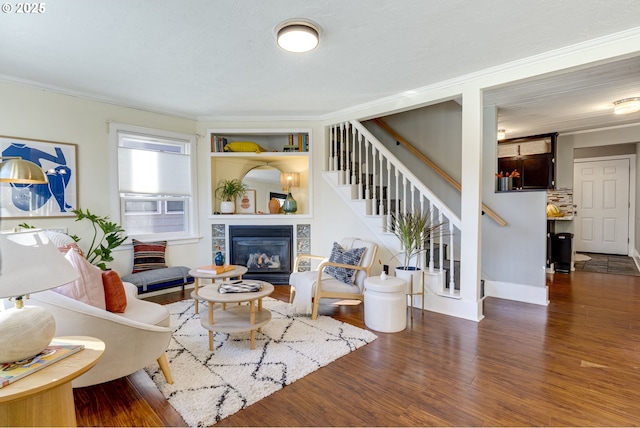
(48, 112)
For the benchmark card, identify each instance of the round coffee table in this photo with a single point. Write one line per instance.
(236, 272)
(233, 319)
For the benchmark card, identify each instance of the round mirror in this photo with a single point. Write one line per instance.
(266, 182)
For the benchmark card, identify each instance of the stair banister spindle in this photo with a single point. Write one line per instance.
(360, 165)
(381, 185)
(452, 280)
(397, 197)
(441, 252)
(333, 161)
(353, 154)
(388, 190)
(347, 155)
(367, 188)
(374, 196)
(432, 238)
(343, 146)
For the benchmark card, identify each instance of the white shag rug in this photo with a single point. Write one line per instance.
(209, 386)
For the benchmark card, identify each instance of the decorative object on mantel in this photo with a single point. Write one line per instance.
(208, 388)
(30, 263)
(287, 181)
(227, 191)
(274, 206)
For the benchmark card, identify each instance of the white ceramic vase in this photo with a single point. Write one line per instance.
(410, 276)
(227, 207)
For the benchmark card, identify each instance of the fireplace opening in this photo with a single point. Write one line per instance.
(266, 251)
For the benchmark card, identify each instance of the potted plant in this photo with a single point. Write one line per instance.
(414, 230)
(227, 191)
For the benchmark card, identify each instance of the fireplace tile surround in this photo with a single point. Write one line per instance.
(274, 267)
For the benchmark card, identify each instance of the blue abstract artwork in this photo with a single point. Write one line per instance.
(54, 199)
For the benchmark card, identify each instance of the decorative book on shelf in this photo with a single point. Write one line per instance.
(11, 372)
(215, 270)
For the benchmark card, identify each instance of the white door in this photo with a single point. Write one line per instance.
(601, 192)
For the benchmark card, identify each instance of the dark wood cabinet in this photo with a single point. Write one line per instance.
(533, 157)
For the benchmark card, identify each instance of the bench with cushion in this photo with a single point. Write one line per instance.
(158, 279)
(150, 271)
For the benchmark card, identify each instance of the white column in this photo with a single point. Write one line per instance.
(471, 203)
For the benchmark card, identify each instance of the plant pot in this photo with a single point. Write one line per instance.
(227, 207)
(411, 275)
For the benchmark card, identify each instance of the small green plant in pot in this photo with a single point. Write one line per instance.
(227, 191)
(414, 230)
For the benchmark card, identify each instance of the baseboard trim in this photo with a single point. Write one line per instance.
(517, 292)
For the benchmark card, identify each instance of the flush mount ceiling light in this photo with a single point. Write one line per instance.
(627, 105)
(297, 36)
(502, 134)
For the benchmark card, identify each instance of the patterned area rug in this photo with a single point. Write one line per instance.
(209, 386)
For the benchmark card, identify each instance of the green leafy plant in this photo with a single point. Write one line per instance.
(228, 190)
(107, 235)
(414, 230)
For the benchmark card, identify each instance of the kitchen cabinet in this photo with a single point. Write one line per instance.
(533, 157)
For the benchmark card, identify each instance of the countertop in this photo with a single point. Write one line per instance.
(565, 218)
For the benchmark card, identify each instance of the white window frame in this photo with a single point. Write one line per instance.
(191, 234)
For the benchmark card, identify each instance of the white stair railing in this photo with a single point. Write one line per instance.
(363, 162)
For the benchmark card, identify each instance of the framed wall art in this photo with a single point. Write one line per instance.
(246, 204)
(56, 198)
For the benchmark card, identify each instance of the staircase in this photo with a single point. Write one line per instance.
(377, 185)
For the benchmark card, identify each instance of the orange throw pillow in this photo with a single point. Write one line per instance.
(114, 295)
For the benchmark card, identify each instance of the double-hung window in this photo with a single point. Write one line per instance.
(155, 182)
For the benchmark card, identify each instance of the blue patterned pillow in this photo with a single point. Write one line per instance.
(347, 257)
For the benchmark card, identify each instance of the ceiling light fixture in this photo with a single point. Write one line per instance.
(627, 105)
(502, 134)
(297, 36)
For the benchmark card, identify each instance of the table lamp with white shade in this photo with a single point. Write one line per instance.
(29, 262)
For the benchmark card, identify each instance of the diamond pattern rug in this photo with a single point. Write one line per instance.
(209, 386)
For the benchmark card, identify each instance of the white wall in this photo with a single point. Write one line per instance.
(596, 139)
(33, 113)
(436, 131)
(513, 257)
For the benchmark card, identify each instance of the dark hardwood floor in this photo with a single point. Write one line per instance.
(575, 362)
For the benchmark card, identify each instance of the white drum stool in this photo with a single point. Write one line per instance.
(385, 304)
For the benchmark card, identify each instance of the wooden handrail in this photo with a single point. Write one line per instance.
(435, 167)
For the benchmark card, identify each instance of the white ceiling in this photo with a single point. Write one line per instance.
(218, 58)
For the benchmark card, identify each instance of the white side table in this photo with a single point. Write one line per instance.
(385, 304)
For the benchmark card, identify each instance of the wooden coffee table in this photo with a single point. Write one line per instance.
(237, 272)
(247, 315)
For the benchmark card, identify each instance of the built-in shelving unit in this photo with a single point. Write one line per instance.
(286, 150)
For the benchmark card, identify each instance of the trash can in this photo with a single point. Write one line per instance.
(561, 250)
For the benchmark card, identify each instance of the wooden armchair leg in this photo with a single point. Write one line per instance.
(164, 367)
(292, 293)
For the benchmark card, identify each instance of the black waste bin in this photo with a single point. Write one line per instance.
(561, 244)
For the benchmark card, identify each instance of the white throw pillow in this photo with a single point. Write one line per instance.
(88, 288)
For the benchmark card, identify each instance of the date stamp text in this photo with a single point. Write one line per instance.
(23, 8)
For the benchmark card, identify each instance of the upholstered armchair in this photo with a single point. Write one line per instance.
(134, 339)
(339, 276)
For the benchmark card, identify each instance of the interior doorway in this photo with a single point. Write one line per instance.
(602, 195)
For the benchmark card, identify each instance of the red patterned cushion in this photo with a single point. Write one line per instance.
(148, 255)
